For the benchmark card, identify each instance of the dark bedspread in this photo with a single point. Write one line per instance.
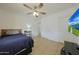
(14, 43)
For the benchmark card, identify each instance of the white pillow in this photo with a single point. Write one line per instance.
(12, 32)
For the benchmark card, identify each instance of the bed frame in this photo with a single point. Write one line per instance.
(4, 31)
(24, 51)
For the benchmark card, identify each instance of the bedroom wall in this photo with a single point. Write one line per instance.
(6, 20)
(54, 27)
(9, 20)
(22, 20)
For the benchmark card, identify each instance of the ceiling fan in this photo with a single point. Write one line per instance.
(36, 10)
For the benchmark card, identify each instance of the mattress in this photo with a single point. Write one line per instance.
(12, 44)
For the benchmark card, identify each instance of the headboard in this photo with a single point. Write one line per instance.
(9, 31)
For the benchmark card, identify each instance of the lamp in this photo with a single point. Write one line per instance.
(28, 27)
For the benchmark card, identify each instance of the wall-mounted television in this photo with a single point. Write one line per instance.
(73, 21)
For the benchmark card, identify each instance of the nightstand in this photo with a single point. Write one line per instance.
(28, 33)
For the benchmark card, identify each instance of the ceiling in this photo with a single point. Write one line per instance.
(48, 7)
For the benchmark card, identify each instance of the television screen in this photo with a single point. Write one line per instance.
(74, 20)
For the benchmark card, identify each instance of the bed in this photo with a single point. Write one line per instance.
(16, 44)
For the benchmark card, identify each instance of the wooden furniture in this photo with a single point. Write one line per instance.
(4, 31)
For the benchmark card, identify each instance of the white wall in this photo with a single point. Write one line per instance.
(21, 21)
(10, 20)
(54, 27)
(6, 20)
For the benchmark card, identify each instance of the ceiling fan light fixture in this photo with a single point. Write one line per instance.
(36, 10)
(35, 14)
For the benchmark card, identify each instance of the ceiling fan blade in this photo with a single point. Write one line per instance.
(44, 13)
(40, 5)
(29, 13)
(35, 7)
(27, 6)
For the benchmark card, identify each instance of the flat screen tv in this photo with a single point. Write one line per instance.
(73, 21)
